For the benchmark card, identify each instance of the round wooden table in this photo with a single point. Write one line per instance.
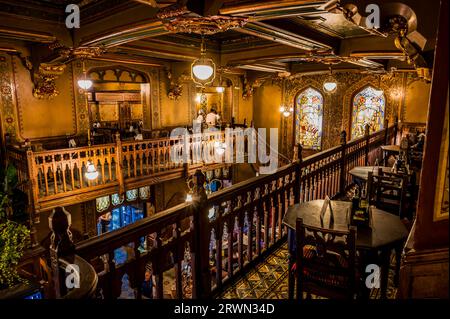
(362, 172)
(387, 232)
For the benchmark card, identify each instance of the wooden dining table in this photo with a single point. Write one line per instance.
(362, 172)
(374, 243)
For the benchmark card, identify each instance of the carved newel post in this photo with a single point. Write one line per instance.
(61, 244)
(201, 232)
(343, 162)
(367, 138)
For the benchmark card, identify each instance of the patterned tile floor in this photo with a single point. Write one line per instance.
(269, 280)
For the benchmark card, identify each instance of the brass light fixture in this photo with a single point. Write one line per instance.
(84, 83)
(286, 111)
(203, 70)
(330, 83)
(220, 88)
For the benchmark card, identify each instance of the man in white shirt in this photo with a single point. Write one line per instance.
(212, 118)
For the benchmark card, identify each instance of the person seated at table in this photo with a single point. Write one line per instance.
(212, 118)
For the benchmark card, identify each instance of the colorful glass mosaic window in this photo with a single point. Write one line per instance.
(308, 119)
(368, 108)
(102, 203)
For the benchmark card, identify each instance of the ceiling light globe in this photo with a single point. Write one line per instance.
(85, 84)
(202, 71)
(330, 86)
(220, 89)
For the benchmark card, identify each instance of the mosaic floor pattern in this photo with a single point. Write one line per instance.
(269, 280)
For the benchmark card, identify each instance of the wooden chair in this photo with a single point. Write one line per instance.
(387, 191)
(325, 262)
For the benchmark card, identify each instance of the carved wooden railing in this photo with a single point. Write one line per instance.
(157, 243)
(194, 249)
(57, 177)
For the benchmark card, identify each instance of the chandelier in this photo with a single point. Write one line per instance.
(203, 70)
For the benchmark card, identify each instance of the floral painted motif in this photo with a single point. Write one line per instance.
(368, 108)
(308, 119)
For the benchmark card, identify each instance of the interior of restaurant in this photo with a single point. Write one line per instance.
(348, 97)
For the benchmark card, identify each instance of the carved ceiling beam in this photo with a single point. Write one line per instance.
(17, 34)
(65, 55)
(151, 3)
(317, 57)
(122, 35)
(267, 67)
(264, 10)
(158, 52)
(128, 59)
(204, 25)
(269, 32)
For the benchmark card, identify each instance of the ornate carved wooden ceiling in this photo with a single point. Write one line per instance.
(271, 36)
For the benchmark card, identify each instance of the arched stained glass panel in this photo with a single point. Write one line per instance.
(308, 119)
(368, 108)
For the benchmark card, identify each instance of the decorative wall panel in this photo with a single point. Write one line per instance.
(7, 97)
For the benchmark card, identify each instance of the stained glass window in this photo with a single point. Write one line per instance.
(368, 108)
(308, 119)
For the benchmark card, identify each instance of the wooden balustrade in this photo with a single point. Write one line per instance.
(162, 243)
(58, 177)
(194, 249)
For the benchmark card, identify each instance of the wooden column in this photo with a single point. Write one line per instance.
(202, 276)
(342, 182)
(61, 245)
(32, 198)
(366, 149)
(386, 132)
(298, 159)
(432, 233)
(119, 174)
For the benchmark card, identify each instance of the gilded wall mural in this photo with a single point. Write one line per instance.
(7, 97)
(71, 103)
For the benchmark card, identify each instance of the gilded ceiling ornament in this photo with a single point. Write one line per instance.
(172, 11)
(248, 89)
(69, 53)
(204, 25)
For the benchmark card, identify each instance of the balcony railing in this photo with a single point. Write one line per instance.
(194, 249)
(57, 177)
